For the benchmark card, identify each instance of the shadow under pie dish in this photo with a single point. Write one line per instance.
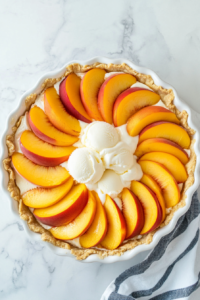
(84, 215)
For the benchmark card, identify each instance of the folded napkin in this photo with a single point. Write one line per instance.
(169, 271)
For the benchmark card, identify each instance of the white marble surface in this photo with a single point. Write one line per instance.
(42, 35)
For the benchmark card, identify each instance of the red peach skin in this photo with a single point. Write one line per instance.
(42, 153)
(130, 101)
(70, 96)
(133, 213)
(66, 210)
(150, 204)
(44, 129)
(148, 115)
(110, 90)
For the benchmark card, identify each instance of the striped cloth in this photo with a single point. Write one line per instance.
(169, 271)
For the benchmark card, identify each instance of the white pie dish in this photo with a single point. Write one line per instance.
(12, 118)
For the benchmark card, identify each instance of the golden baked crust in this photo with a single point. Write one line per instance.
(167, 96)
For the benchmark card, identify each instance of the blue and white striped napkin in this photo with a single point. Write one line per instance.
(169, 271)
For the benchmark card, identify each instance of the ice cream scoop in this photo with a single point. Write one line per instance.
(100, 135)
(85, 166)
(110, 183)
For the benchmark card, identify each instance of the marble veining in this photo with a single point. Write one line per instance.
(42, 35)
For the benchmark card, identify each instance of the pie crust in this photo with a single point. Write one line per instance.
(167, 97)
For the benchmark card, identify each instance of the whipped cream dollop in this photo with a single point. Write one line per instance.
(118, 158)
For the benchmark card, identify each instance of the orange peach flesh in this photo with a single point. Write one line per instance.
(170, 162)
(97, 231)
(58, 115)
(167, 130)
(41, 152)
(162, 145)
(41, 197)
(80, 224)
(39, 175)
(130, 101)
(109, 91)
(90, 85)
(133, 213)
(66, 210)
(152, 184)
(150, 204)
(166, 181)
(44, 129)
(69, 91)
(148, 115)
(116, 232)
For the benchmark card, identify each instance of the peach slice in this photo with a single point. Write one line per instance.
(66, 210)
(167, 130)
(42, 127)
(58, 115)
(90, 85)
(133, 213)
(148, 115)
(97, 231)
(80, 224)
(69, 91)
(162, 145)
(110, 90)
(42, 153)
(152, 184)
(150, 204)
(39, 175)
(116, 225)
(130, 101)
(170, 162)
(40, 197)
(166, 181)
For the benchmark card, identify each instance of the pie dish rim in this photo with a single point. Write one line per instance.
(179, 104)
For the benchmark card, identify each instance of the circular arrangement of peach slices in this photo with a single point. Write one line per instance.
(69, 208)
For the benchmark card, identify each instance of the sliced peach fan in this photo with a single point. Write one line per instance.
(170, 162)
(44, 197)
(116, 225)
(130, 101)
(97, 231)
(44, 129)
(70, 95)
(39, 175)
(110, 90)
(80, 224)
(58, 115)
(66, 210)
(41, 152)
(167, 130)
(151, 206)
(152, 184)
(89, 89)
(166, 181)
(133, 213)
(162, 145)
(149, 115)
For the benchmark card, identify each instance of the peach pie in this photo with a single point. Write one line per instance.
(100, 160)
